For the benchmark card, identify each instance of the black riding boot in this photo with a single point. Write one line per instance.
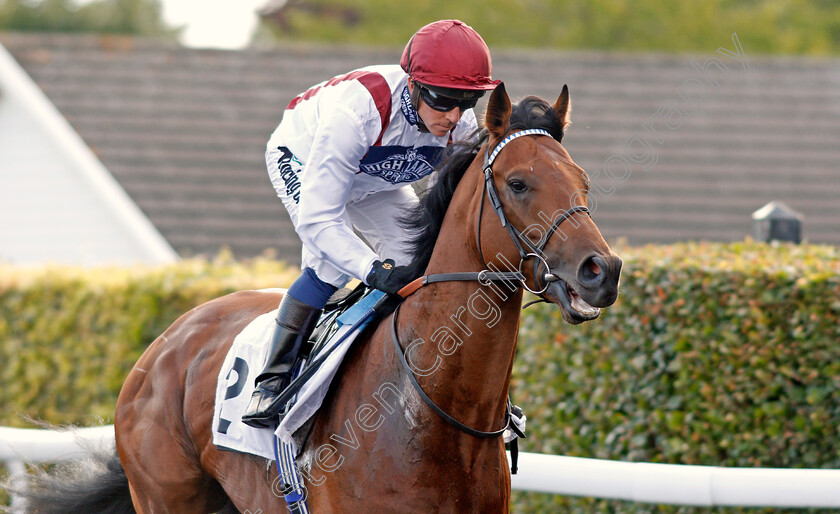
(295, 322)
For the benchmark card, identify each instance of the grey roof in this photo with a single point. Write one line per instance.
(692, 153)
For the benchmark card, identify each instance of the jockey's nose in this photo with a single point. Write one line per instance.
(454, 115)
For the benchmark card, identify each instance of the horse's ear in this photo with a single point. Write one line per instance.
(563, 106)
(497, 116)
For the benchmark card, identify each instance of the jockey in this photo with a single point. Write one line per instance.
(343, 158)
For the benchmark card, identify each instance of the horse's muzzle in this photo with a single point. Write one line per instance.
(597, 279)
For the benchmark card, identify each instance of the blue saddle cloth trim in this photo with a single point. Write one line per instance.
(287, 471)
(352, 315)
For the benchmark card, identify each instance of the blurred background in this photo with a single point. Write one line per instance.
(688, 116)
(133, 186)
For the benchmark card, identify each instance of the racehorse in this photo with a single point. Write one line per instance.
(412, 420)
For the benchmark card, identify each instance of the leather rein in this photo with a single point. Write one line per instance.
(525, 252)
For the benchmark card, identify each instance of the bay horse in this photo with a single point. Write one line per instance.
(376, 445)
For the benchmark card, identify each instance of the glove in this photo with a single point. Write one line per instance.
(389, 278)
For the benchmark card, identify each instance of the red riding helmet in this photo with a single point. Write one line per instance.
(449, 57)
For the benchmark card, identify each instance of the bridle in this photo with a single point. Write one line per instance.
(516, 235)
(536, 250)
(526, 248)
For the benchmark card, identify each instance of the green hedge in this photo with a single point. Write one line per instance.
(69, 336)
(714, 354)
(781, 26)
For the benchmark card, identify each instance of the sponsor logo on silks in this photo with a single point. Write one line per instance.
(397, 164)
(288, 173)
(408, 110)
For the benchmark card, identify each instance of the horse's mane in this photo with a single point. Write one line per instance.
(424, 220)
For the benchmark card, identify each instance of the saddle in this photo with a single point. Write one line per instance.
(338, 303)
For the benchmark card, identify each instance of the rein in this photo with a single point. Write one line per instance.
(533, 250)
(431, 403)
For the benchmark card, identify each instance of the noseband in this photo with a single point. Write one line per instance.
(516, 235)
(536, 250)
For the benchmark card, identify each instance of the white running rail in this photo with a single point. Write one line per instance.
(19, 446)
(678, 484)
(633, 481)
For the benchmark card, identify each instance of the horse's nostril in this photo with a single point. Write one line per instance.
(591, 271)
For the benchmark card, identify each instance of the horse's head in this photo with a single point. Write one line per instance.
(541, 198)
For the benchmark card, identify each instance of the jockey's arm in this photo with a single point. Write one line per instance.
(340, 142)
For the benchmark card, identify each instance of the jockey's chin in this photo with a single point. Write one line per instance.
(438, 131)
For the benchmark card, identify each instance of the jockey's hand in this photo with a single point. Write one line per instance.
(388, 277)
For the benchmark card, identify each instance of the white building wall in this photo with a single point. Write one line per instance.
(58, 204)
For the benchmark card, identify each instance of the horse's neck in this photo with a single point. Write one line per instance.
(462, 335)
(461, 340)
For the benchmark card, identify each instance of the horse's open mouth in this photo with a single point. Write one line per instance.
(574, 309)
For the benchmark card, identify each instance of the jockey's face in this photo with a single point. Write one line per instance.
(439, 123)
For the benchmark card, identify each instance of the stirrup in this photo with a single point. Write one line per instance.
(269, 415)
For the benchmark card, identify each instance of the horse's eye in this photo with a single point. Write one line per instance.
(517, 186)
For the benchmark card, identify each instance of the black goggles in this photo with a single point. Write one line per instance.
(442, 103)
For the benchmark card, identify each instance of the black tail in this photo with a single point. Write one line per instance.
(94, 485)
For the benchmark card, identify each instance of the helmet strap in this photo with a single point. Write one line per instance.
(415, 104)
